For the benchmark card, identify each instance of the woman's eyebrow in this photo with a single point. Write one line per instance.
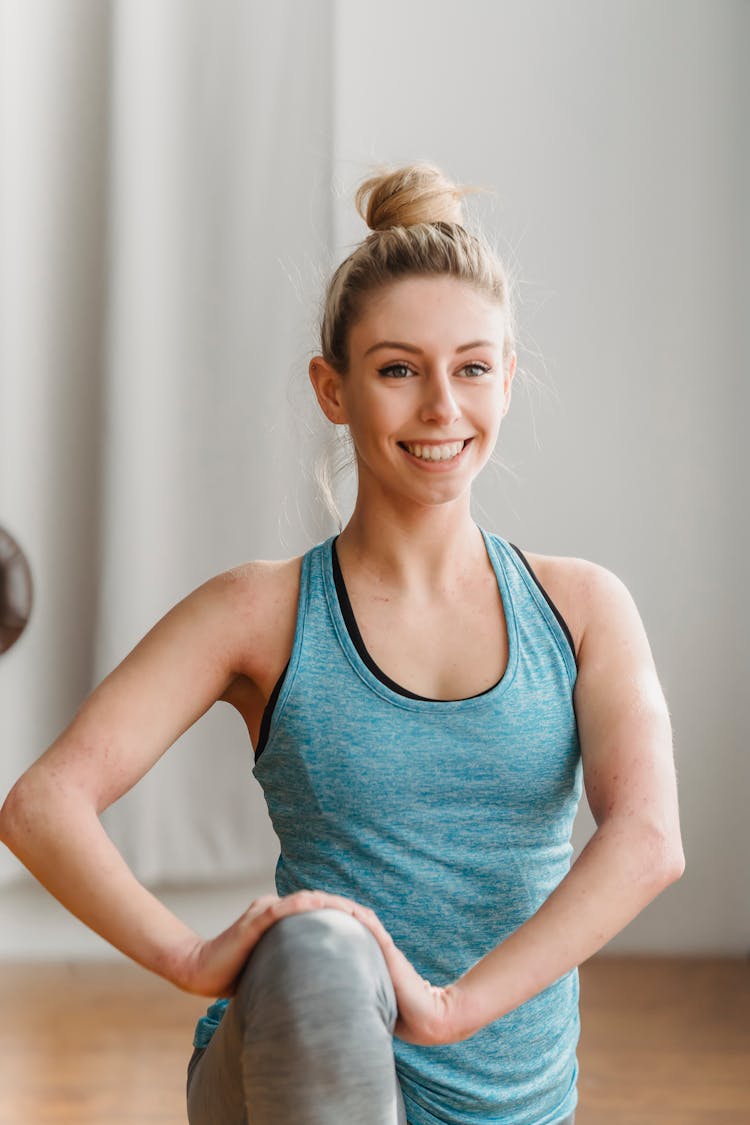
(411, 347)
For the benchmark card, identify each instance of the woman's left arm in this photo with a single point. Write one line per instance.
(627, 757)
(625, 737)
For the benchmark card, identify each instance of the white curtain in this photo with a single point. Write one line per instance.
(165, 218)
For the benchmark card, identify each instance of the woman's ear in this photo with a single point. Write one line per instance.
(328, 386)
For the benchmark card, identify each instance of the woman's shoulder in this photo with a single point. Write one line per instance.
(568, 582)
(261, 574)
(263, 593)
(584, 591)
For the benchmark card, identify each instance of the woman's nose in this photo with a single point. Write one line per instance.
(439, 401)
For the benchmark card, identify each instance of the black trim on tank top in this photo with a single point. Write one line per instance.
(265, 722)
(550, 603)
(351, 624)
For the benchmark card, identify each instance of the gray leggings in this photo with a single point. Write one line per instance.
(307, 1037)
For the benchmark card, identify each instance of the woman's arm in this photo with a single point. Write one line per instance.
(50, 818)
(626, 749)
(55, 832)
(625, 736)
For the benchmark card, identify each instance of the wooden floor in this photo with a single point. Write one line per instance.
(663, 1042)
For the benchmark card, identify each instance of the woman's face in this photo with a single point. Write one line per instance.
(425, 369)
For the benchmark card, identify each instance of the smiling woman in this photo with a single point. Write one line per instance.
(441, 407)
(415, 631)
(426, 702)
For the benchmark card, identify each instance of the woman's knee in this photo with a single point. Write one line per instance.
(326, 954)
(320, 936)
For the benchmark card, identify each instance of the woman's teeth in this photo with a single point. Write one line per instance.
(435, 452)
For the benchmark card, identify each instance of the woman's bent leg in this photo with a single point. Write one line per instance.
(307, 1038)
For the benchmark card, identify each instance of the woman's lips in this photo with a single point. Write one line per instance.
(438, 465)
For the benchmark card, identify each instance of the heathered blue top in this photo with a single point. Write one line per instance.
(451, 819)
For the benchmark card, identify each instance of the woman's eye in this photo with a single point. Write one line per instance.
(395, 367)
(394, 370)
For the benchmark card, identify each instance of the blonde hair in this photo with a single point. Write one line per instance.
(416, 219)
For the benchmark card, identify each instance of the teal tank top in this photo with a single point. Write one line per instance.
(451, 819)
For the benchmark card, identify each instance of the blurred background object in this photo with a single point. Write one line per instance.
(16, 594)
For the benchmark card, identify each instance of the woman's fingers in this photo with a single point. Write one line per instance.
(258, 905)
(220, 960)
(267, 909)
(263, 912)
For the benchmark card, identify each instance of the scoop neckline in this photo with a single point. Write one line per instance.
(423, 704)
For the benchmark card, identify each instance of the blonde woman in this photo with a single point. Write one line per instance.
(426, 701)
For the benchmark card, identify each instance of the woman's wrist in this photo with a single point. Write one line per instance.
(182, 965)
(465, 1013)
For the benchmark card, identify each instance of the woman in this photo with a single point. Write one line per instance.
(426, 701)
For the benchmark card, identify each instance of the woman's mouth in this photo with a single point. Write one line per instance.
(435, 454)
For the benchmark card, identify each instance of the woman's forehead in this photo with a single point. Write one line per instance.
(412, 308)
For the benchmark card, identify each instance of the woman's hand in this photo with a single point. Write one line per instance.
(212, 967)
(426, 1012)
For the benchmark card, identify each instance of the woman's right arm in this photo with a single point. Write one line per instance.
(50, 818)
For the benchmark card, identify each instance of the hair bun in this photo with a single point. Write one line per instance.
(416, 193)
